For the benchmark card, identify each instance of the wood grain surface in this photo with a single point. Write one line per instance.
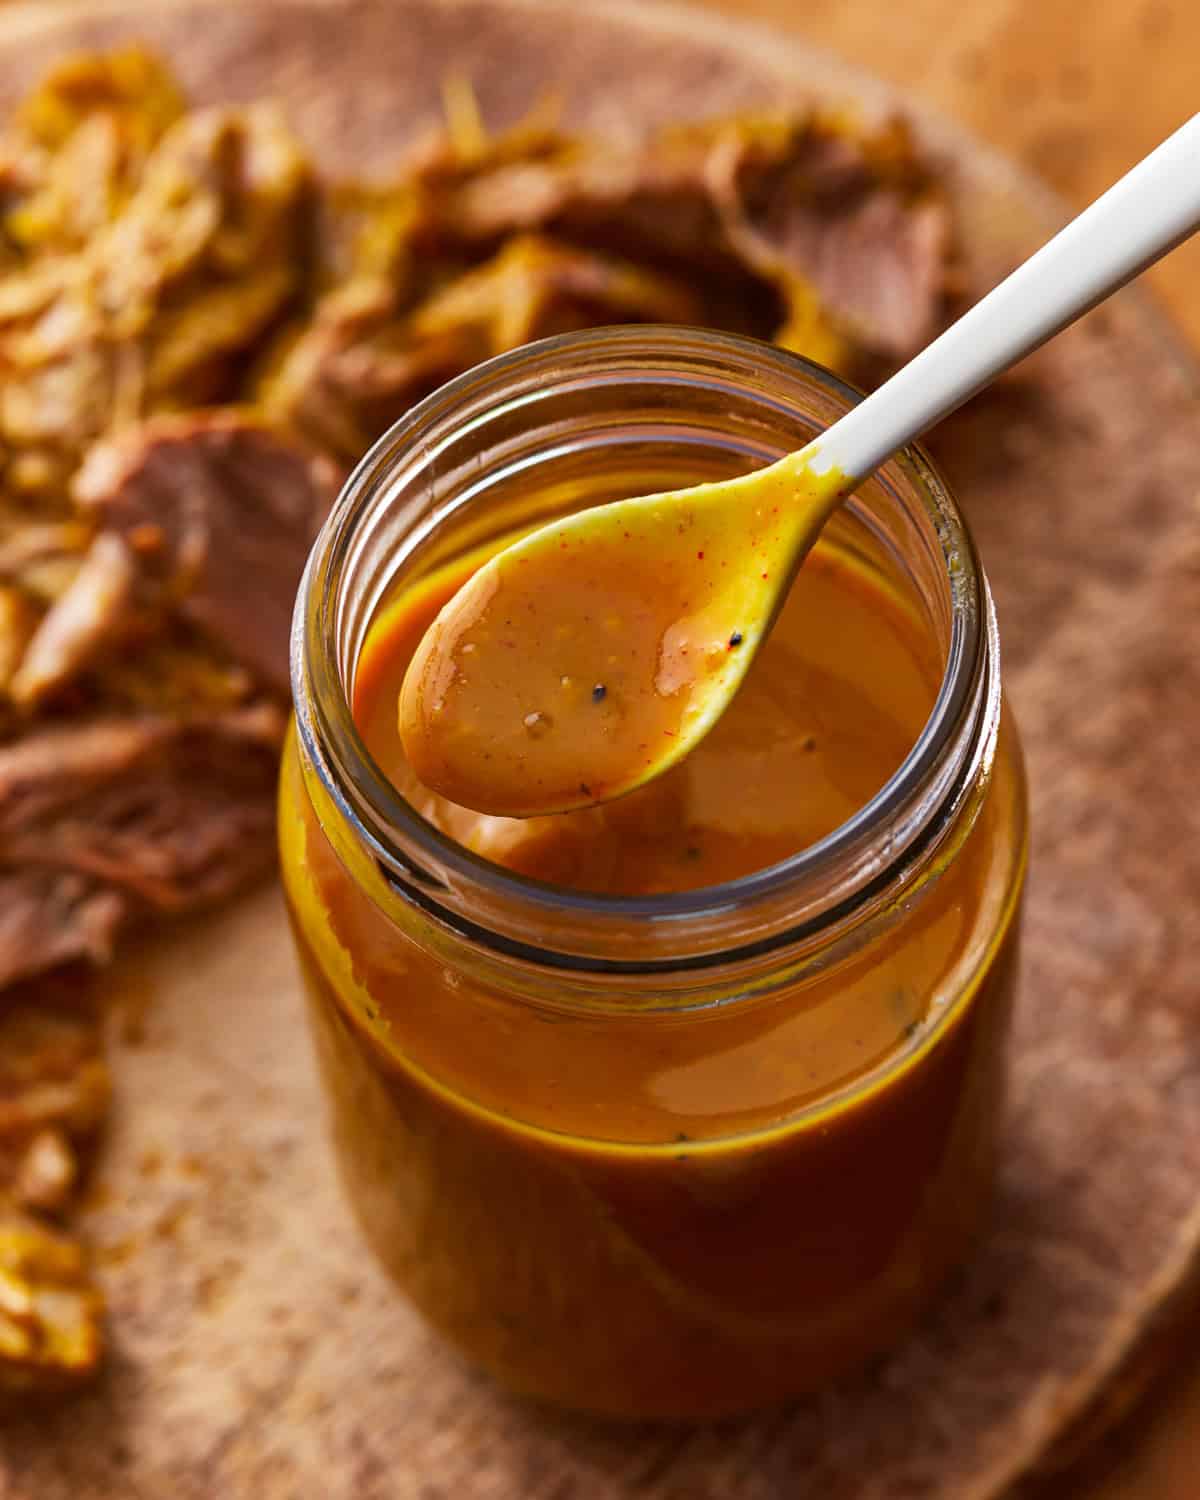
(259, 1352)
(1076, 93)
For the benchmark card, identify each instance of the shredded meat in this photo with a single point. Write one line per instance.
(833, 242)
(363, 362)
(157, 306)
(90, 615)
(855, 220)
(54, 1093)
(199, 505)
(851, 220)
(50, 1312)
(105, 822)
(353, 371)
(79, 145)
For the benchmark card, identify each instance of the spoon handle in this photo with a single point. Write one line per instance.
(1149, 211)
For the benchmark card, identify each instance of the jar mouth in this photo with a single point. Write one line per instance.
(474, 897)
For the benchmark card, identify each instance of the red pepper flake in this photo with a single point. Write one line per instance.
(670, 733)
(700, 555)
(766, 575)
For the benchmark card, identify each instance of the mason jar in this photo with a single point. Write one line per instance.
(619, 1150)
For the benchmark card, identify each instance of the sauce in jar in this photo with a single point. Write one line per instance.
(821, 724)
(696, 1112)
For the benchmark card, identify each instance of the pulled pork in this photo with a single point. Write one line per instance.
(54, 1093)
(831, 241)
(50, 1310)
(108, 820)
(192, 507)
(361, 363)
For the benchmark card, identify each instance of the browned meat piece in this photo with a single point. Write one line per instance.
(534, 287)
(91, 615)
(854, 217)
(364, 361)
(54, 1093)
(650, 201)
(353, 371)
(174, 672)
(809, 206)
(159, 664)
(18, 622)
(830, 239)
(160, 306)
(41, 558)
(102, 823)
(216, 511)
(50, 916)
(130, 83)
(50, 1312)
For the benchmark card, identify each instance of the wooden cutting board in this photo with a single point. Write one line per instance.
(259, 1353)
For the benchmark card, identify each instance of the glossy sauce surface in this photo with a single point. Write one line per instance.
(828, 712)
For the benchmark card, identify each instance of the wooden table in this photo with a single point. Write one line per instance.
(1077, 93)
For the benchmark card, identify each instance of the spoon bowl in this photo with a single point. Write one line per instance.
(611, 640)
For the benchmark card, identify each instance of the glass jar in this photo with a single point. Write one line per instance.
(471, 1024)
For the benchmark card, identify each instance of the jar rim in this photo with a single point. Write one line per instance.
(402, 841)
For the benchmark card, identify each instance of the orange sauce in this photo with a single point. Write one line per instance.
(678, 1214)
(807, 742)
(577, 663)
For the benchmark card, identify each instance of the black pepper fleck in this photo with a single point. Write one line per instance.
(599, 693)
(736, 638)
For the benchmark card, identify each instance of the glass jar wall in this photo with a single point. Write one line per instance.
(664, 1147)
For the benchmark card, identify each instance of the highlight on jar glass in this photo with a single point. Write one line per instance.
(685, 1104)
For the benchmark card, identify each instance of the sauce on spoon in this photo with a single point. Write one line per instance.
(596, 652)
